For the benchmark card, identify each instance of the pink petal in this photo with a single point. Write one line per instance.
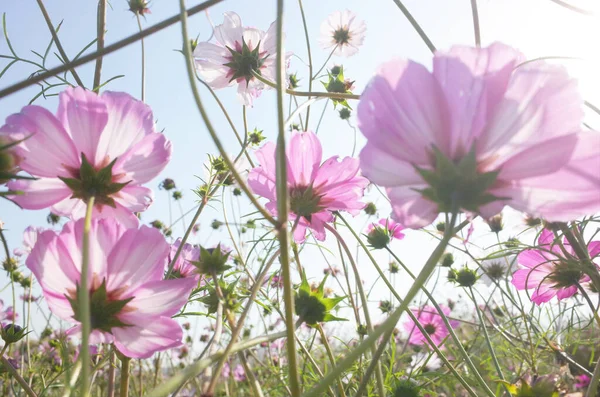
(230, 31)
(535, 160)
(385, 169)
(84, 115)
(402, 112)
(594, 249)
(134, 198)
(410, 208)
(138, 257)
(40, 193)
(262, 179)
(162, 297)
(48, 151)
(473, 81)
(129, 121)
(144, 161)
(147, 336)
(304, 155)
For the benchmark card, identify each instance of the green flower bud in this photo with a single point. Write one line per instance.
(52, 219)
(177, 195)
(12, 333)
(216, 224)
(464, 277)
(394, 267)
(167, 184)
(495, 223)
(311, 305)
(441, 226)
(237, 191)
(256, 137)
(379, 237)
(361, 330)
(386, 306)
(10, 264)
(212, 261)
(406, 388)
(370, 209)
(447, 259)
(345, 113)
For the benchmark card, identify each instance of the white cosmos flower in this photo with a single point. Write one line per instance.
(341, 29)
(238, 52)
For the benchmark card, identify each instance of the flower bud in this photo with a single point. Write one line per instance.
(52, 219)
(447, 259)
(464, 277)
(12, 333)
(370, 209)
(167, 184)
(406, 388)
(216, 224)
(361, 330)
(345, 113)
(386, 306)
(495, 223)
(378, 238)
(394, 268)
(177, 195)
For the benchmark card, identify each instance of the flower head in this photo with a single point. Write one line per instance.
(342, 31)
(96, 145)
(380, 234)
(8, 314)
(316, 189)
(478, 133)
(131, 305)
(29, 238)
(582, 381)
(238, 53)
(239, 375)
(431, 322)
(184, 266)
(549, 271)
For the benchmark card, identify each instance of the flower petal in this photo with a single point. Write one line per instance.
(39, 193)
(147, 336)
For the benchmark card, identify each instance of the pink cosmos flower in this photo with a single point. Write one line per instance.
(239, 51)
(133, 305)
(103, 145)
(549, 271)
(583, 381)
(479, 133)
(315, 188)
(342, 31)
(239, 375)
(29, 238)
(226, 371)
(9, 314)
(394, 229)
(183, 266)
(432, 323)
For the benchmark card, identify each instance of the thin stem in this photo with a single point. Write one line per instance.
(594, 382)
(363, 299)
(105, 51)
(488, 340)
(100, 42)
(111, 373)
(476, 23)
(283, 209)
(415, 25)
(331, 95)
(235, 333)
(192, 80)
(15, 374)
(83, 297)
(125, 361)
(139, 22)
(590, 303)
(389, 324)
(331, 357)
(59, 46)
(310, 64)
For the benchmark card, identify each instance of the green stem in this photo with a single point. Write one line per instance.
(59, 46)
(310, 64)
(83, 297)
(139, 22)
(488, 340)
(331, 95)
(215, 137)
(415, 25)
(389, 324)
(593, 386)
(125, 361)
(476, 23)
(364, 301)
(15, 374)
(100, 42)
(111, 373)
(283, 208)
(105, 51)
(331, 357)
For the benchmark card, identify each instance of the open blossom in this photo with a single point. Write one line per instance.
(239, 375)
(29, 238)
(315, 188)
(582, 381)
(96, 145)
(342, 31)
(478, 133)
(548, 271)
(238, 53)
(183, 266)
(131, 304)
(9, 314)
(394, 229)
(431, 322)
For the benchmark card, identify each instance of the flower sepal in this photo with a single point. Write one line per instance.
(94, 183)
(12, 333)
(245, 63)
(457, 185)
(212, 261)
(311, 305)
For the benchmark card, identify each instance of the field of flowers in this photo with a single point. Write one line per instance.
(448, 245)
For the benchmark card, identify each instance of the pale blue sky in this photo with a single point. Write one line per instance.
(537, 27)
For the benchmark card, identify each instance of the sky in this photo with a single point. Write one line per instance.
(539, 28)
